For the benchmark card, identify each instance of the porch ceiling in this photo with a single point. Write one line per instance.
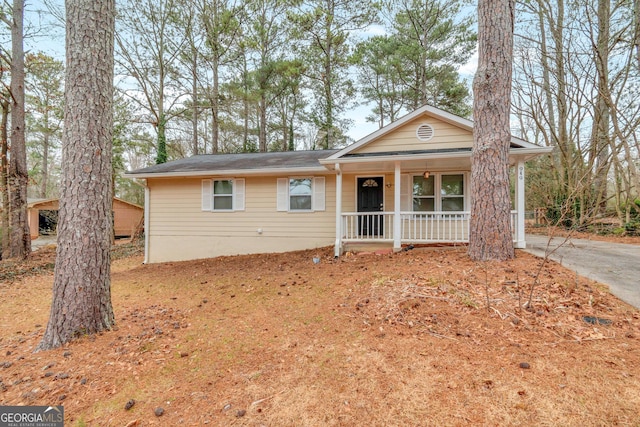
(418, 163)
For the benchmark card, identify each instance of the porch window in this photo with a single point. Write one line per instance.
(438, 193)
(452, 192)
(424, 195)
(300, 193)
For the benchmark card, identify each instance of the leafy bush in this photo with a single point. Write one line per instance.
(619, 231)
(563, 213)
(632, 228)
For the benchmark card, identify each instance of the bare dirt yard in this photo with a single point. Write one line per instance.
(423, 337)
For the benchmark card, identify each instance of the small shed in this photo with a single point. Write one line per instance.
(43, 217)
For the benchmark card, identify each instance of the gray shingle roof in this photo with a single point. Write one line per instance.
(238, 162)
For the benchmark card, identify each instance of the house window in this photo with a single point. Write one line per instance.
(300, 194)
(424, 194)
(223, 195)
(452, 193)
(438, 193)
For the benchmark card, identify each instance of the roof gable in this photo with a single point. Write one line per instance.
(422, 133)
(450, 133)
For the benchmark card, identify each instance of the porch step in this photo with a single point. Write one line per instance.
(358, 247)
(384, 247)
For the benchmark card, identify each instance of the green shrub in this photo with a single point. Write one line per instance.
(563, 214)
(632, 228)
(619, 231)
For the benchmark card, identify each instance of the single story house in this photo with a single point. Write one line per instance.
(43, 217)
(407, 183)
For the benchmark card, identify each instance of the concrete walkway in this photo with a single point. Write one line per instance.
(616, 265)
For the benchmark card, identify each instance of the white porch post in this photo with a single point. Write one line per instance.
(338, 245)
(520, 239)
(147, 222)
(397, 238)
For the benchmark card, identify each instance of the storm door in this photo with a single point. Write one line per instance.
(371, 199)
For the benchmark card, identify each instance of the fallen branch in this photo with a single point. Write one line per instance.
(424, 296)
(441, 336)
(257, 402)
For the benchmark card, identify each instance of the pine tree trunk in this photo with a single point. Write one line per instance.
(262, 131)
(602, 116)
(215, 125)
(4, 168)
(162, 139)
(82, 289)
(20, 238)
(636, 14)
(490, 237)
(44, 183)
(194, 94)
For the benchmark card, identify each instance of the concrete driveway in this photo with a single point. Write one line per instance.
(614, 264)
(43, 241)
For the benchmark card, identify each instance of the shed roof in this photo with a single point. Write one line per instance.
(226, 164)
(38, 203)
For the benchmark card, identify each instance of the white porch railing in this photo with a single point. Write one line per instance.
(415, 227)
(435, 227)
(367, 226)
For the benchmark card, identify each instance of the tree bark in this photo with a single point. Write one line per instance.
(82, 289)
(194, 95)
(602, 116)
(636, 14)
(44, 184)
(490, 237)
(215, 110)
(20, 238)
(4, 168)
(162, 137)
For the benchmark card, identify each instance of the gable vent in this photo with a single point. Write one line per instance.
(424, 132)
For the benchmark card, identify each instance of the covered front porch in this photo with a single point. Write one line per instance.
(391, 208)
(408, 183)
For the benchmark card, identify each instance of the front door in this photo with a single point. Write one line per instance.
(370, 199)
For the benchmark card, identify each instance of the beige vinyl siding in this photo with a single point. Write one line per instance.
(349, 198)
(179, 229)
(404, 138)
